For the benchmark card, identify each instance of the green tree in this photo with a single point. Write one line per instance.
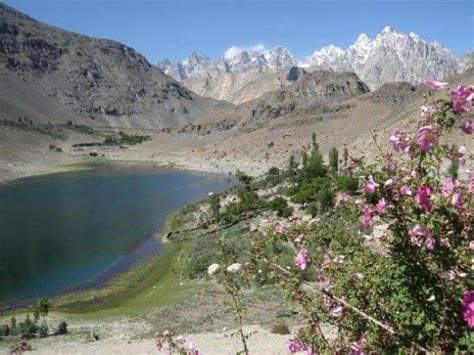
(214, 202)
(291, 165)
(313, 139)
(304, 160)
(334, 160)
(345, 155)
(454, 168)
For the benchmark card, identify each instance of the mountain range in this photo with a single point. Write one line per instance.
(98, 81)
(389, 57)
(62, 93)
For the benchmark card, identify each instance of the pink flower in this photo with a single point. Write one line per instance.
(398, 140)
(370, 185)
(427, 110)
(419, 234)
(342, 198)
(450, 275)
(351, 163)
(325, 263)
(301, 259)
(321, 278)
(299, 238)
(471, 245)
(158, 345)
(337, 311)
(426, 138)
(423, 198)
(367, 217)
(461, 99)
(295, 345)
(467, 127)
(405, 190)
(457, 200)
(381, 205)
(180, 340)
(448, 186)
(435, 85)
(357, 347)
(389, 182)
(445, 242)
(468, 308)
(280, 228)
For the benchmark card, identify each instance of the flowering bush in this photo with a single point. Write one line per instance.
(175, 344)
(392, 264)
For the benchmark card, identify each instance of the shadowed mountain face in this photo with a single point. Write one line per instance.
(93, 78)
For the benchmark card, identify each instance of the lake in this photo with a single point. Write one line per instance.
(71, 230)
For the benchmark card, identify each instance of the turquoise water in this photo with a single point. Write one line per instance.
(63, 231)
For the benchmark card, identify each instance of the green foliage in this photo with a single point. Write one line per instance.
(304, 160)
(62, 328)
(214, 203)
(313, 208)
(27, 328)
(291, 165)
(308, 192)
(345, 155)
(4, 330)
(280, 206)
(334, 160)
(347, 183)
(404, 289)
(43, 307)
(52, 131)
(453, 169)
(249, 201)
(243, 179)
(280, 328)
(13, 326)
(43, 330)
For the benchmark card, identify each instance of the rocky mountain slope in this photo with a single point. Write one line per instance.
(97, 79)
(390, 57)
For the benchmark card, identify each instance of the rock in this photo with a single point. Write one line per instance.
(236, 267)
(213, 269)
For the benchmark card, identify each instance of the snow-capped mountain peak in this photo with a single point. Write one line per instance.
(390, 56)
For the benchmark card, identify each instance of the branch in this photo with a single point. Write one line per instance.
(364, 315)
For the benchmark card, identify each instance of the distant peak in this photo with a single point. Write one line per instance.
(387, 29)
(363, 38)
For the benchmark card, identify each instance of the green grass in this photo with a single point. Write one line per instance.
(154, 283)
(53, 131)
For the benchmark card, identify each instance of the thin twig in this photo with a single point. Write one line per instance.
(385, 327)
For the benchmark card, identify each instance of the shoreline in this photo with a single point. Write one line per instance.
(89, 165)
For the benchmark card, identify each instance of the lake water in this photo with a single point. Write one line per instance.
(63, 231)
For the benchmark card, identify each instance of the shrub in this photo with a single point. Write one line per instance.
(280, 206)
(249, 201)
(399, 283)
(313, 208)
(27, 328)
(280, 328)
(347, 183)
(4, 330)
(214, 204)
(334, 160)
(325, 199)
(62, 328)
(43, 330)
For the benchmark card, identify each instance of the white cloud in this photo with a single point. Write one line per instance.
(234, 50)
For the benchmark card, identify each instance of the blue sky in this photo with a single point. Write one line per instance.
(160, 29)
